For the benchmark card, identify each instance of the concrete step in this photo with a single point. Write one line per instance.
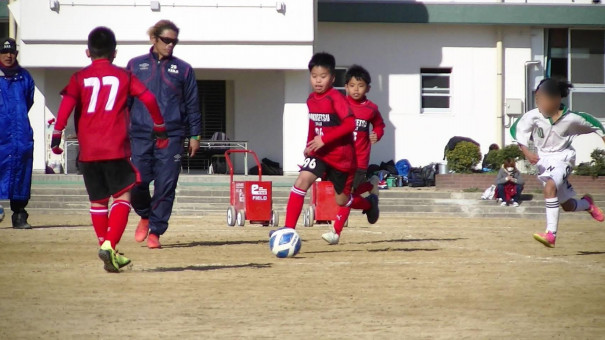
(209, 195)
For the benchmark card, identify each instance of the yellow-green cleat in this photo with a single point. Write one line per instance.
(122, 260)
(108, 256)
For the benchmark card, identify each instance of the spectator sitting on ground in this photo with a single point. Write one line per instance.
(509, 184)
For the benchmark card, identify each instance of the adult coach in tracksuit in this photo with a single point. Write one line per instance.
(17, 137)
(173, 83)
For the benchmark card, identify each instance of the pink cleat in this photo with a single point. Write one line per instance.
(140, 234)
(548, 239)
(594, 211)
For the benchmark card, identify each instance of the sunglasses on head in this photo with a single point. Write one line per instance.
(169, 41)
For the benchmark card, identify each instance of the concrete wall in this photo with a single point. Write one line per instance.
(394, 54)
(236, 34)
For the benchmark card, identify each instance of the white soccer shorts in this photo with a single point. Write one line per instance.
(558, 171)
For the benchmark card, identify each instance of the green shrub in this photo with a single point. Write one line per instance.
(464, 157)
(595, 168)
(511, 151)
(495, 158)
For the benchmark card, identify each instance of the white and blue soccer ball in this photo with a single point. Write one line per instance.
(285, 242)
(1, 213)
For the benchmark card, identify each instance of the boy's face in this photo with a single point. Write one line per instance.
(321, 79)
(548, 105)
(357, 88)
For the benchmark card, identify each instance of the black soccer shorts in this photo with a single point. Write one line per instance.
(342, 181)
(108, 178)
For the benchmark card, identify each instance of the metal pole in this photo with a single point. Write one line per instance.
(499, 88)
(527, 88)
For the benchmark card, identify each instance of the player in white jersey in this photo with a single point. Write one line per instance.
(553, 127)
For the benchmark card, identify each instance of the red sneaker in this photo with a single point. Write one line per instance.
(142, 230)
(594, 211)
(153, 242)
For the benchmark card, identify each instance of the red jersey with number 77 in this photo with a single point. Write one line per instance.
(101, 91)
(331, 118)
(366, 113)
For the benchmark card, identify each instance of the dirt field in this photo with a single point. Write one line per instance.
(403, 278)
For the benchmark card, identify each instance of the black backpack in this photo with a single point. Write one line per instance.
(390, 167)
(372, 170)
(428, 174)
(415, 178)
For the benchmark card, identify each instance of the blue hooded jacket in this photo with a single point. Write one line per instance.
(17, 137)
(173, 83)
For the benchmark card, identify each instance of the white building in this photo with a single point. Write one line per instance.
(439, 69)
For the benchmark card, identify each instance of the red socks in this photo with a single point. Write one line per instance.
(99, 222)
(294, 207)
(341, 218)
(118, 218)
(360, 203)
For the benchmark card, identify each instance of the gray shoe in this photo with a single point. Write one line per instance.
(331, 237)
(20, 220)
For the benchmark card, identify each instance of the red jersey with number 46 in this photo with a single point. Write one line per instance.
(331, 118)
(366, 113)
(100, 92)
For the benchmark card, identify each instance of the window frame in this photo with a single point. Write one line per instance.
(447, 92)
(342, 89)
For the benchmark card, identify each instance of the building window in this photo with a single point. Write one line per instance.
(578, 55)
(339, 79)
(435, 93)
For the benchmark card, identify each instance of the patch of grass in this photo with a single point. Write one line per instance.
(474, 189)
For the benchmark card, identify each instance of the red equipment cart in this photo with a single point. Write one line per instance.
(323, 208)
(250, 200)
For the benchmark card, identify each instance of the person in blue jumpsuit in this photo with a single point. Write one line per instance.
(17, 139)
(173, 83)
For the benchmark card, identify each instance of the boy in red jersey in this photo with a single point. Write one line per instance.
(99, 94)
(357, 84)
(330, 150)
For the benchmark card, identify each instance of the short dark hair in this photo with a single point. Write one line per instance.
(554, 87)
(160, 26)
(494, 146)
(101, 43)
(323, 59)
(359, 73)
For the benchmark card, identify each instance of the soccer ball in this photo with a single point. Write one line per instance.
(1, 213)
(285, 242)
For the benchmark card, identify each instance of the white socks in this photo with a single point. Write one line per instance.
(582, 205)
(552, 215)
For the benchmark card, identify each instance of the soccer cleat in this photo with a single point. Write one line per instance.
(548, 239)
(153, 242)
(122, 260)
(140, 234)
(373, 213)
(515, 204)
(108, 256)
(594, 211)
(20, 220)
(331, 237)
